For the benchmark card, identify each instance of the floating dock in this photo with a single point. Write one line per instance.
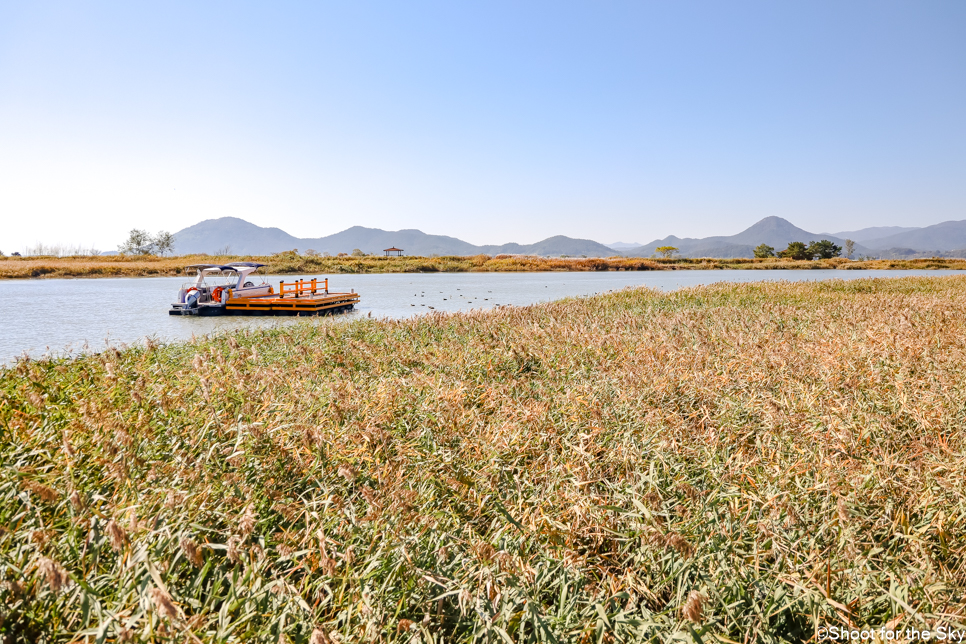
(302, 297)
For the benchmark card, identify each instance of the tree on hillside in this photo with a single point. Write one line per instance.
(796, 250)
(824, 249)
(357, 253)
(764, 250)
(849, 248)
(139, 242)
(666, 251)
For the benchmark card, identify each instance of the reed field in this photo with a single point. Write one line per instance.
(292, 263)
(730, 463)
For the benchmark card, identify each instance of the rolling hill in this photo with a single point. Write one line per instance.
(947, 239)
(864, 235)
(245, 238)
(945, 236)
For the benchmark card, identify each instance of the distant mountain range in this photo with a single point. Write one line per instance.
(947, 239)
(947, 236)
(774, 231)
(240, 237)
(873, 233)
(244, 238)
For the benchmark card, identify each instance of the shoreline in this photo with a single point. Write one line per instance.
(20, 341)
(26, 268)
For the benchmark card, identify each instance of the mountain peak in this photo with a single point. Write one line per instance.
(774, 223)
(774, 231)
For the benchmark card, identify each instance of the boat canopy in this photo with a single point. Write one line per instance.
(227, 267)
(208, 267)
(242, 269)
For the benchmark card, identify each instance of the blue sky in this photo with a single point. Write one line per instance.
(492, 122)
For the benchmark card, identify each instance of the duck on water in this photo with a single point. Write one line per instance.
(230, 289)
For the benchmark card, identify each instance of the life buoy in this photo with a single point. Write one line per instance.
(216, 294)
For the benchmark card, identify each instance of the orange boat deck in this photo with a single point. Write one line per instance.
(304, 297)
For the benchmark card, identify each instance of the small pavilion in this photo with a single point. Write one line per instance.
(393, 251)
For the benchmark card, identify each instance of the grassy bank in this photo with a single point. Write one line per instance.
(733, 462)
(290, 263)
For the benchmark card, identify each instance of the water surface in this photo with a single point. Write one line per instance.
(72, 315)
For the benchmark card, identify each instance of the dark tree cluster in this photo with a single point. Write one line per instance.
(799, 250)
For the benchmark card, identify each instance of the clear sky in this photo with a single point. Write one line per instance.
(490, 121)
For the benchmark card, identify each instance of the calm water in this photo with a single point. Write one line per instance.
(75, 315)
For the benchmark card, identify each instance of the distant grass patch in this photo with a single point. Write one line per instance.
(730, 462)
(290, 263)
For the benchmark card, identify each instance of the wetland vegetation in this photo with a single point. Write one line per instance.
(736, 462)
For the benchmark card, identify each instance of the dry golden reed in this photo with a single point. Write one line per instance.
(290, 263)
(54, 573)
(163, 604)
(191, 551)
(733, 462)
(116, 534)
(693, 610)
(319, 636)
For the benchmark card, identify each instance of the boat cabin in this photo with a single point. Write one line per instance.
(215, 282)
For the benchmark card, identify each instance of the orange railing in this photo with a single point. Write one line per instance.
(300, 288)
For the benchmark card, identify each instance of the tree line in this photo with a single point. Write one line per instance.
(796, 250)
(800, 250)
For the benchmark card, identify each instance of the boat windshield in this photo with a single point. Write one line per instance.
(213, 275)
(219, 278)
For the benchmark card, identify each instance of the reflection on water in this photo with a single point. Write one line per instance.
(73, 315)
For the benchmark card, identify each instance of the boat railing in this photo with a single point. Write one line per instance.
(300, 288)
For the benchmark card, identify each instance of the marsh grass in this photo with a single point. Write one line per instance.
(728, 463)
(291, 263)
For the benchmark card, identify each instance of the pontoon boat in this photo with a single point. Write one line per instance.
(230, 290)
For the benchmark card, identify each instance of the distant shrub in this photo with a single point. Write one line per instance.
(141, 242)
(849, 248)
(796, 250)
(57, 250)
(764, 250)
(824, 249)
